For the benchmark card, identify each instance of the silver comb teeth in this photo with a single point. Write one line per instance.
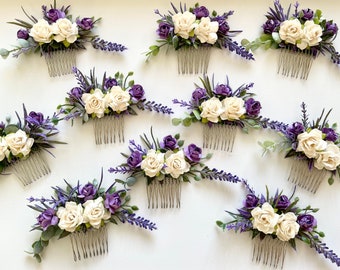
(60, 62)
(193, 60)
(219, 137)
(109, 129)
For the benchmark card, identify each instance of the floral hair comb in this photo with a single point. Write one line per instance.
(22, 143)
(57, 36)
(276, 222)
(300, 36)
(106, 102)
(314, 147)
(192, 33)
(165, 164)
(221, 110)
(83, 212)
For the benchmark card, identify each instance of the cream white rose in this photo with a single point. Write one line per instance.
(70, 216)
(94, 103)
(95, 212)
(311, 35)
(184, 23)
(206, 31)
(287, 227)
(64, 29)
(19, 143)
(212, 109)
(42, 32)
(328, 159)
(233, 108)
(310, 143)
(291, 31)
(4, 152)
(117, 99)
(265, 219)
(152, 163)
(176, 164)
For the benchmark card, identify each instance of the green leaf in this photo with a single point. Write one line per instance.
(4, 53)
(37, 247)
(197, 114)
(48, 234)
(37, 257)
(11, 129)
(134, 208)
(186, 122)
(130, 181)
(180, 143)
(176, 121)
(220, 223)
(23, 43)
(331, 180)
(245, 42)
(175, 42)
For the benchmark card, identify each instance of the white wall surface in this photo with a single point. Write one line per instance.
(187, 238)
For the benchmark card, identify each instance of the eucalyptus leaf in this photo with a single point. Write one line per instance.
(130, 181)
(176, 121)
(4, 53)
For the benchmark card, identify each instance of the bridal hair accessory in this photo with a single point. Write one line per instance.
(57, 37)
(276, 222)
(300, 36)
(192, 33)
(83, 212)
(106, 102)
(221, 110)
(22, 145)
(314, 147)
(165, 164)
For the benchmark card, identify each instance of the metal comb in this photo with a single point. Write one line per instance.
(60, 62)
(219, 137)
(109, 129)
(193, 60)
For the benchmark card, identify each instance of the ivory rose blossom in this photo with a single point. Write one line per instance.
(95, 212)
(176, 164)
(311, 35)
(94, 103)
(233, 108)
(287, 227)
(265, 219)
(184, 23)
(3, 148)
(291, 31)
(310, 143)
(152, 163)
(42, 32)
(212, 109)
(64, 29)
(206, 31)
(328, 159)
(70, 216)
(19, 143)
(117, 99)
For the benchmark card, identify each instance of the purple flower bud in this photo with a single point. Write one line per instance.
(109, 83)
(87, 192)
(199, 94)
(223, 89)
(331, 28)
(270, 26)
(253, 107)
(169, 143)
(282, 202)
(135, 159)
(307, 222)
(331, 135)
(76, 93)
(85, 23)
(295, 129)
(251, 201)
(23, 34)
(35, 118)
(112, 202)
(201, 11)
(307, 14)
(47, 218)
(223, 28)
(164, 29)
(193, 152)
(54, 14)
(2, 125)
(136, 92)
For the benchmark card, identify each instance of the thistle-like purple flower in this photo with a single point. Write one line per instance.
(47, 218)
(193, 152)
(85, 23)
(112, 202)
(169, 142)
(253, 107)
(87, 192)
(136, 92)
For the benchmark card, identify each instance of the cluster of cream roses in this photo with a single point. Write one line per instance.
(173, 163)
(96, 102)
(186, 25)
(73, 214)
(63, 30)
(302, 35)
(17, 143)
(267, 221)
(326, 154)
(230, 108)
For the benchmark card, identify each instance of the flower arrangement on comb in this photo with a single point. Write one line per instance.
(276, 222)
(192, 32)
(22, 145)
(106, 102)
(165, 164)
(83, 212)
(57, 36)
(300, 36)
(221, 110)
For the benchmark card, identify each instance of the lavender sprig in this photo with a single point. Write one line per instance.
(189, 105)
(214, 174)
(138, 221)
(82, 80)
(153, 106)
(120, 169)
(322, 248)
(233, 46)
(103, 45)
(274, 125)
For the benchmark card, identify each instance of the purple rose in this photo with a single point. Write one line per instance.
(251, 201)
(87, 192)
(199, 94)
(294, 130)
(270, 26)
(307, 222)
(282, 202)
(136, 92)
(223, 28)
(112, 202)
(35, 118)
(135, 159)
(201, 11)
(223, 89)
(307, 14)
(47, 218)
(109, 83)
(22, 34)
(331, 28)
(169, 143)
(193, 152)
(164, 29)
(331, 135)
(253, 107)
(54, 14)
(85, 23)
(76, 93)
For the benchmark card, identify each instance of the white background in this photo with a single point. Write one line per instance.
(187, 238)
